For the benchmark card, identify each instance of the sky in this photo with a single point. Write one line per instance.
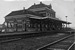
(61, 7)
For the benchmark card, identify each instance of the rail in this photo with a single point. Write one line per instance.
(54, 42)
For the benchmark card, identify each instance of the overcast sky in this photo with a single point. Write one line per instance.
(62, 7)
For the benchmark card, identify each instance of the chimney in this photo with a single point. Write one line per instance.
(34, 4)
(40, 2)
(23, 8)
(50, 6)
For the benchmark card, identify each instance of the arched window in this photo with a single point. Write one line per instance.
(5, 23)
(12, 24)
(9, 25)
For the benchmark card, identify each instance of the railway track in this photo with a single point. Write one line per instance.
(18, 37)
(65, 43)
(37, 41)
(15, 38)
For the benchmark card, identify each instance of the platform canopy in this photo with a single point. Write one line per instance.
(51, 19)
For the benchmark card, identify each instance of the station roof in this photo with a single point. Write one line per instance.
(21, 12)
(39, 6)
(38, 15)
(51, 18)
(34, 7)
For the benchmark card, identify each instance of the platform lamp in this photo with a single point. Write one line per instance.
(66, 21)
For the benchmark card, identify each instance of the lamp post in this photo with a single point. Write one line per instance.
(66, 21)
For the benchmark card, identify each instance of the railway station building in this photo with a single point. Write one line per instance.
(38, 17)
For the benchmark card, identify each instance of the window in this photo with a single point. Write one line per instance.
(12, 24)
(19, 25)
(47, 14)
(5, 23)
(44, 14)
(19, 20)
(9, 25)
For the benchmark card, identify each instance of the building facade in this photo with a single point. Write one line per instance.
(38, 17)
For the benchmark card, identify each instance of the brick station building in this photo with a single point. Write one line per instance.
(38, 17)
